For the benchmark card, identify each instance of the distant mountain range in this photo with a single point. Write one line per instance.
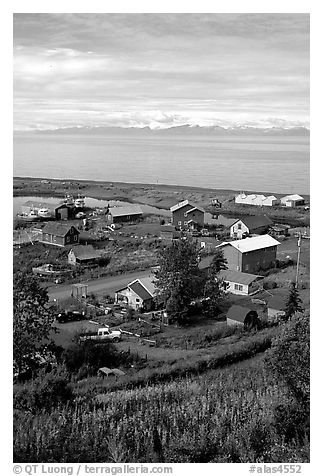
(182, 130)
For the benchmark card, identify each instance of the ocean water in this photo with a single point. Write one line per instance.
(267, 164)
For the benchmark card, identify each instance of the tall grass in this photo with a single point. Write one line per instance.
(226, 416)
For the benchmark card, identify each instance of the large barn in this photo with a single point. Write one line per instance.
(250, 255)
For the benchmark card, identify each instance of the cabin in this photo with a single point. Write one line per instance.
(242, 316)
(84, 255)
(250, 225)
(45, 210)
(59, 234)
(106, 372)
(124, 214)
(276, 305)
(187, 216)
(139, 294)
(279, 230)
(292, 200)
(250, 255)
(242, 284)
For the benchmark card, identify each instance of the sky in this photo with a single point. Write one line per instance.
(160, 70)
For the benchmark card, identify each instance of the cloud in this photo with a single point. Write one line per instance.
(163, 68)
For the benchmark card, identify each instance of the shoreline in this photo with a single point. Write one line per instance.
(135, 185)
(159, 196)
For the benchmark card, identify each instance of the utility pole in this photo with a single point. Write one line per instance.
(299, 242)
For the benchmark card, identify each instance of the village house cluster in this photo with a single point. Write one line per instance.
(250, 247)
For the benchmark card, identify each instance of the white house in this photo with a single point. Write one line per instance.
(138, 294)
(250, 225)
(243, 284)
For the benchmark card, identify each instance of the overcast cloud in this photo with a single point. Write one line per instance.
(160, 70)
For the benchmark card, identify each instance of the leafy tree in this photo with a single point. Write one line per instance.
(214, 288)
(293, 303)
(178, 279)
(32, 322)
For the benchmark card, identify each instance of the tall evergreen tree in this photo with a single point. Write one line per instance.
(293, 303)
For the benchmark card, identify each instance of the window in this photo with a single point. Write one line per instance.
(137, 300)
(75, 237)
(185, 214)
(67, 239)
(185, 222)
(247, 267)
(179, 222)
(238, 287)
(239, 226)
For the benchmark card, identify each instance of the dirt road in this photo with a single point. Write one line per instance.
(102, 286)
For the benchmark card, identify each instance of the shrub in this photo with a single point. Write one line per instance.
(44, 392)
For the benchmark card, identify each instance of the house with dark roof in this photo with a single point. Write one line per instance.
(187, 215)
(242, 316)
(59, 234)
(243, 284)
(124, 214)
(250, 225)
(139, 294)
(250, 255)
(84, 255)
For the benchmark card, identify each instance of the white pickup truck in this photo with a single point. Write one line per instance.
(103, 334)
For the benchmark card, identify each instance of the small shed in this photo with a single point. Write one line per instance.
(79, 290)
(84, 255)
(242, 316)
(106, 372)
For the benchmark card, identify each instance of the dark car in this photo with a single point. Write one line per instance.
(68, 316)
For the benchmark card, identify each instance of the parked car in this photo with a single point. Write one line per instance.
(68, 316)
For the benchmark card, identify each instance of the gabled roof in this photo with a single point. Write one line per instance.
(141, 291)
(238, 313)
(252, 244)
(254, 222)
(238, 277)
(143, 287)
(180, 205)
(58, 229)
(271, 197)
(85, 252)
(293, 197)
(125, 211)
